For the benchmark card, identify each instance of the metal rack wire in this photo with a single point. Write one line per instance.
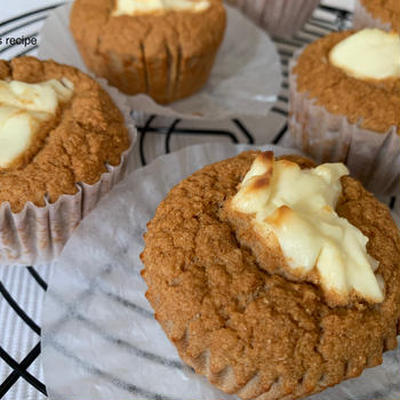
(21, 373)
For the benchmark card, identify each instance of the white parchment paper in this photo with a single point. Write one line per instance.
(100, 340)
(246, 77)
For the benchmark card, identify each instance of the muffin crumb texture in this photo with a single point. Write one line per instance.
(167, 55)
(374, 104)
(251, 332)
(87, 132)
(286, 216)
(385, 11)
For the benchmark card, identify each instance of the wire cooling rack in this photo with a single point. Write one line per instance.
(22, 290)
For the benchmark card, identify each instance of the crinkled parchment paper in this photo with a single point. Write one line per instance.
(246, 77)
(100, 340)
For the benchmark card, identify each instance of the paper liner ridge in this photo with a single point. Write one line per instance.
(372, 157)
(38, 234)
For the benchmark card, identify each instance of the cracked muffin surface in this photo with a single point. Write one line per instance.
(166, 55)
(252, 333)
(87, 132)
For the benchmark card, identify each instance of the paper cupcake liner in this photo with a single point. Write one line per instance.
(363, 19)
(246, 75)
(113, 331)
(226, 381)
(372, 157)
(278, 17)
(38, 234)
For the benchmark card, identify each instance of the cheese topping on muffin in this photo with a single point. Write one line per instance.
(298, 207)
(368, 54)
(23, 108)
(138, 7)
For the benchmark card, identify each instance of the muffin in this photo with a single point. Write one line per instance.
(274, 278)
(383, 14)
(345, 104)
(278, 17)
(163, 49)
(63, 144)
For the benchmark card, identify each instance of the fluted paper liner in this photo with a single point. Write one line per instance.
(364, 19)
(100, 339)
(246, 75)
(372, 157)
(38, 234)
(278, 17)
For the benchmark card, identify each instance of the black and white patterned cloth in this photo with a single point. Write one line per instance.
(22, 289)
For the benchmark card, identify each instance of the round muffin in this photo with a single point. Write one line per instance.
(167, 53)
(53, 172)
(252, 331)
(375, 104)
(383, 14)
(336, 115)
(278, 17)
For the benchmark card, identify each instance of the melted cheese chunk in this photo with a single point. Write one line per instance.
(23, 108)
(298, 207)
(139, 7)
(368, 54)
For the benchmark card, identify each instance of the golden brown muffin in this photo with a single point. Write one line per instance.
(345, 104)
(383, 11)
(86, 133)
(254, 333)
(375, 104)
(168, 55)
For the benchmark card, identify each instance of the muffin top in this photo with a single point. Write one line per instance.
(65, 129)
(249, 329)
(286, 216)
(384, 10)
(372, 103)
(187, 26)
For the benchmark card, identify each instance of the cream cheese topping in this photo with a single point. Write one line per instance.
(368, 54)
(139, 7)
(23, 108)
(298, 207)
